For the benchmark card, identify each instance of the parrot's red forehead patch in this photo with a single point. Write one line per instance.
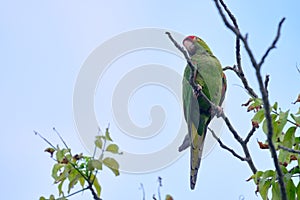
(191, 37)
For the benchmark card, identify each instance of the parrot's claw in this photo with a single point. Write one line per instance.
(197, 90)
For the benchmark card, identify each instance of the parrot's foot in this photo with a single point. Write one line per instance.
(197, 90)
(218, 111)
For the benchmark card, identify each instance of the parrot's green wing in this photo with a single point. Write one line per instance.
(197, 111)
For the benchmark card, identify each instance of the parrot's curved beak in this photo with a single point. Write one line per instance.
(190, 47)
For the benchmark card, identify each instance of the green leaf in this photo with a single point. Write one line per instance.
(94, 164)
(59, 187)
(283, 156)
(107, 135)
(289, 137)
(42, 198)
(298, 113)
(275, 191)
(281, 122)
(52, 197)
(264, 186)
(112, 164)
(265, 127)
(275, 106)
(113, 148)
(73, 182)
(297, 140)
(257, 176)
(98, 142)
(269, 174)
(288, 141)
(258, 102)
(96, 185)
(82, 181)
(259, 116)
(290, 189)
(295, 170)
(90, 166)
(61, 154)
(56, 168)
(298, 190)
(265, 180)
(296, 119)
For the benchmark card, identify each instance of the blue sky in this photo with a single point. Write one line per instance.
(44, 45)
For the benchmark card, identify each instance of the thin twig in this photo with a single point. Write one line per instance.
(298, 69)
(288, 149)
(229, 68)
(232, 130)
(69, 195)
(276, 113)
(267, 83)
(143, 190)
(159, 186)
(242, 143)
(234, 29)
(273, 45)
(61, 139)
(239, 37)
(250, 134)
(38, 134)
(226, 147)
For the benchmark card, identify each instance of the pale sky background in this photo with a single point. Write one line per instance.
(43, 45)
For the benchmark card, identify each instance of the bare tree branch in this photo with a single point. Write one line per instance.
(235, 28)
(263, 91)
(297, 101)
(289, 149)
(298, 69)
(266, 105)
(226, 147)
(267, 83)
(47, 141)
(143, 190)
(230, 68)
(159, 186)
(242, 143)
(273, 45)
(250, 134)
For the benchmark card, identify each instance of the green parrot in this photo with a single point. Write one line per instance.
(210, 78)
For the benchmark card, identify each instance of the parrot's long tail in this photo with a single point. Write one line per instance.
(197, 144)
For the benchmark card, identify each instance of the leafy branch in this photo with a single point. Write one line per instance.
(79, 169)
